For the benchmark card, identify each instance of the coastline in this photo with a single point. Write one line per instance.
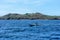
(29, 16)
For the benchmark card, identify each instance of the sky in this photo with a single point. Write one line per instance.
(48, 7)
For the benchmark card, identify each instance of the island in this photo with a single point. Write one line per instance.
(30, 16)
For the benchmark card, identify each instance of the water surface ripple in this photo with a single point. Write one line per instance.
(21, 30)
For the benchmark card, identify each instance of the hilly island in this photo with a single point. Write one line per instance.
(30, 16)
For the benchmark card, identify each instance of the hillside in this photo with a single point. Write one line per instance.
(31, 16)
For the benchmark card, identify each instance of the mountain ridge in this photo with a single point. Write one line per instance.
(32, 16)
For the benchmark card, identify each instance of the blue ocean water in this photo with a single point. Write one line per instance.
(21, 30)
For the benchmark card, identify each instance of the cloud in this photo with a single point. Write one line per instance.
(19, 6)
(23, 6)
(25, 1)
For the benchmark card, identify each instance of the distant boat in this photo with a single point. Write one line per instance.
(34, 24)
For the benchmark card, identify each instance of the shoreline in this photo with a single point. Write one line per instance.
(28, 16)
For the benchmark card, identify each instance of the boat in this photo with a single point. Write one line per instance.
(34, 24)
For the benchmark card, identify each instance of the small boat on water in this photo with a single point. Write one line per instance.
(34, 24)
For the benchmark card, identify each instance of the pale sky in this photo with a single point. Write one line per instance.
(49, 7)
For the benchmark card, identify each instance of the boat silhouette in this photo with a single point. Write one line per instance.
(33, 24)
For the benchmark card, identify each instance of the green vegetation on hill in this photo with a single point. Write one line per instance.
(31, 16)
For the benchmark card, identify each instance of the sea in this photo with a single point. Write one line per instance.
(29, 29)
